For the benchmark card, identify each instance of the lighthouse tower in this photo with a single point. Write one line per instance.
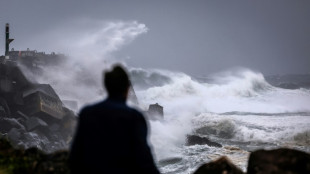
(7, 40)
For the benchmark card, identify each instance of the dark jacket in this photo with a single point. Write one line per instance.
(111, 138)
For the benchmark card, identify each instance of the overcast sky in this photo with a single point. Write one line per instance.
(194, 36)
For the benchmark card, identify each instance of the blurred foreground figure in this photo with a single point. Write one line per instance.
(112, 137)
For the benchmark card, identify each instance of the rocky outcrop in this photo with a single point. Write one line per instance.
(26, 132)
(31, 161)
(220, 166)
(34, 122)
(197, 140)
(279, 161)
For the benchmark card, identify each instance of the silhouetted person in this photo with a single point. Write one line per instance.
(112, 137)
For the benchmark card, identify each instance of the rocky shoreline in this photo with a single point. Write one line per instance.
(34, 161)
(31, 161)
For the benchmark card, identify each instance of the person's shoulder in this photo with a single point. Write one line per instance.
(133, 110)
(90, 108)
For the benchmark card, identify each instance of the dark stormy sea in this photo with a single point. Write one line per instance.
(238, 109)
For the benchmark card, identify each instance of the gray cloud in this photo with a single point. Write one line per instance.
(196, 37)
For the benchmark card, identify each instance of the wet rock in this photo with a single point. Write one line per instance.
(168, 161)
(155, 112)
(4, 108)
(6, 124)
(2, 112)
(32, 139)
(34, 122)
(220, 166)
(22, 115)
(197, 140)
(14, 135)
(54, 127)
(279, 161)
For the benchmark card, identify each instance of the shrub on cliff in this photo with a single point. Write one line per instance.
(31, 161)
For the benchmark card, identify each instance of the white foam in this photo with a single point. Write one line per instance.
(246, 92)
(189, 104)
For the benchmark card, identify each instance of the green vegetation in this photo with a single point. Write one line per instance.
(34, 161)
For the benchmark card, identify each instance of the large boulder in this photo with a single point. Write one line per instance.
(34, 122)
(4, 108)
(220, 166)
(14, 135)
(2, 112)
(197, 140)
(6, 124)
(279, 161)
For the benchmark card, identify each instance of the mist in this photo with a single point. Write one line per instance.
(195, 37)
(88, 46)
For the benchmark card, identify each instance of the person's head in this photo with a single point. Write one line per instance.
(116, 81)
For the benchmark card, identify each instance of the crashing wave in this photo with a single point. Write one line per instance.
(302, 138)
(143, 79)
(223, 129)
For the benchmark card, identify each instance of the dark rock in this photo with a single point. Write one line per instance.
(6, 124)
(194, 139)
(155, 112)
(220, 166)
(22, 115)
(168, 161)
(32, 139)
(54, 127)
(34, 122)
(14, 135)
(2, 112)
(34, 106)
(4, 108)
(280, 161)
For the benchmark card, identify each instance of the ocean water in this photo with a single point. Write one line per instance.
(237, 109)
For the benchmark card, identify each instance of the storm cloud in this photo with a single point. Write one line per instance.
(196, 37)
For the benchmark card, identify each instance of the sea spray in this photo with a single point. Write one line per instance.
(240, 110)
(88, 46)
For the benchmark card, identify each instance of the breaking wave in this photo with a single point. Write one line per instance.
(236, 108)
(242, 91)
(145, 79)
(302, 138)
(225, 128)
(279, 130)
